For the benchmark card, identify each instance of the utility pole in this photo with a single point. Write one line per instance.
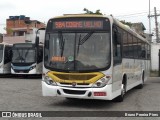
(156, 23)
(149, 18)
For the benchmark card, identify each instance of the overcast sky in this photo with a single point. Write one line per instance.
(42, 10)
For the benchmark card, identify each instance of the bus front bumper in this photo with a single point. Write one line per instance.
(81, 93)
(33, 71)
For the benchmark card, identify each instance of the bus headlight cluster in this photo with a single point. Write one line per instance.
(102, 82)
(49, 81)
(31, 68)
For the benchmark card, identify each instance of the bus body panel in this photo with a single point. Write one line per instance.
(5, 64)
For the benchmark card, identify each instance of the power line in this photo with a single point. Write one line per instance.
(130, 14)
(133, 14)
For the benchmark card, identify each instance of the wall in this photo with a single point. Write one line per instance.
(14, 39)
(154, 56)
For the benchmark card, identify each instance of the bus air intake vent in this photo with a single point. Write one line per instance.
(74, 92)
(74, 77)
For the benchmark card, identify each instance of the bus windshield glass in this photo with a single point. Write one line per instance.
(23, 55)
(78, 51)
(1, 52)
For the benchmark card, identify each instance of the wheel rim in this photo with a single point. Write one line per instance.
(123, 90)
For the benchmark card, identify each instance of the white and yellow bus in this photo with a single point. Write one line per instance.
(93, 57)
(5, 58)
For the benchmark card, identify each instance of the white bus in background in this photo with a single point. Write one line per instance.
(27, 59)
(5, 58)
(93, 57)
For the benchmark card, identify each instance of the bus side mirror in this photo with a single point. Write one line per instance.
(37, 40)
(37, 37)
(47, 44)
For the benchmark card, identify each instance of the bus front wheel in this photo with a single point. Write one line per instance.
(142, 84)
(123, 92)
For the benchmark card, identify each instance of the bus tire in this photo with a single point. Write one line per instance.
(142, 84)
(123, 91)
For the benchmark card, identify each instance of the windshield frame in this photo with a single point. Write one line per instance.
(73, 31)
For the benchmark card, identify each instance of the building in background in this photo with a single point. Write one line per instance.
(20, 29)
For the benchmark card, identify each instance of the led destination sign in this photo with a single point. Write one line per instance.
(92, 24)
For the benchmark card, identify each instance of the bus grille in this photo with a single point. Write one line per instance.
(74, 77)
(74, 92)
(21, 71)
(71, 83)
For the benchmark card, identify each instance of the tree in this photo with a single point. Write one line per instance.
(8, 30)
(97, 12)
(126, 23)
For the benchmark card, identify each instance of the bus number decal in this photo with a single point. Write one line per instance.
(58, 59)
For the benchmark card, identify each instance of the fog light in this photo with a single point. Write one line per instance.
(98, 84)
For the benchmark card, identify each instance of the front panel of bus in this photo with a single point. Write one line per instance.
(77, 58)
(23, 59)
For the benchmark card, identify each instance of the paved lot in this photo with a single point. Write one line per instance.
(24, 94)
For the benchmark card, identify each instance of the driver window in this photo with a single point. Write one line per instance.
(117, 45)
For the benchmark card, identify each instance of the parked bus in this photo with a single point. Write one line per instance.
(5, 58)
(93, 57)
(27, 59)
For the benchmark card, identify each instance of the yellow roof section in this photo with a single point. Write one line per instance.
(78, 15)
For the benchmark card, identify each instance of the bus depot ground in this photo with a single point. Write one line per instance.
(25, 94)
(21, 93)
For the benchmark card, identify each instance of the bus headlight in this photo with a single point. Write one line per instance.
(49, 81)
(31, 68)
(101, 82)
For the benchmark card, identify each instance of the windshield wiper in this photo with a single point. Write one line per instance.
(61, 43)
(19, 56)
(78, 44)
(85, 38)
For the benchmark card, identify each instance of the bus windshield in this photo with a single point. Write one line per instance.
(25, 55)
(1, 52)
(78, 51)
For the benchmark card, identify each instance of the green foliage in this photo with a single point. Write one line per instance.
(9, 30)
(97, 12)
(126, 23)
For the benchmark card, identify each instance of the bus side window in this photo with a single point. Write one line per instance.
(117, 46)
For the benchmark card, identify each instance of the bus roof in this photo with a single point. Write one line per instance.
(78, 15)
(111, 18)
